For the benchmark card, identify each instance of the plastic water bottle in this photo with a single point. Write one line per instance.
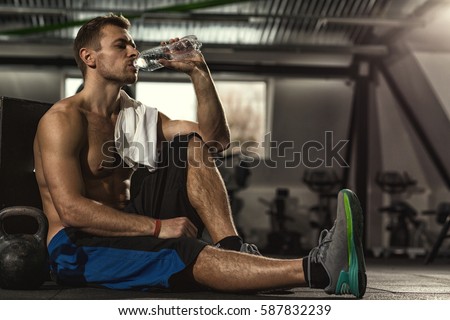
(179, 50)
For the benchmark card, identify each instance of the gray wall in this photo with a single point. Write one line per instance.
(33, 83)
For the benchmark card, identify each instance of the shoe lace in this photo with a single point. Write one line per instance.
(324, 239)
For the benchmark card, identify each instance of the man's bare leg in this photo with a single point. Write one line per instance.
(230, 271)
(207, 192)
(337, 264)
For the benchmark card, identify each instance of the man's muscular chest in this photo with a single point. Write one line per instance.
(105, 176)
(99, 158)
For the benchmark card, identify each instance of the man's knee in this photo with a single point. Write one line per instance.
(195, 141)
(199, 153)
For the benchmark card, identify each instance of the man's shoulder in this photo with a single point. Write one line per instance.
(66, 110)
(62, 119)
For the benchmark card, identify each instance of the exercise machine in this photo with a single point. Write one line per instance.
(280, 240)
(407, 232)
(325, 184)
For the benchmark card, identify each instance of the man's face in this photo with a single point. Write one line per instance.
(116, 55)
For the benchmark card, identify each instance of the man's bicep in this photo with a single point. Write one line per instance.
(62, 173)
(171, 128)
(59, 148)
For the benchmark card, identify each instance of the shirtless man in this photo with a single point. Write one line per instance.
(98, 236)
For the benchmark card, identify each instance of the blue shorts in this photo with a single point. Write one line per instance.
(132, 263)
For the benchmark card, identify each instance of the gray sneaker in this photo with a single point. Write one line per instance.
(340, 249)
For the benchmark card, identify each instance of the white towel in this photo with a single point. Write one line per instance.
(135, 134)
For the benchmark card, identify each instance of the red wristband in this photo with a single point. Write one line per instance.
(157, 228)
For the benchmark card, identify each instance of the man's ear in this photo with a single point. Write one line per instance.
(88, 56)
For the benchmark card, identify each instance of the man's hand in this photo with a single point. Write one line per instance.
(176, 228)
(194, 61)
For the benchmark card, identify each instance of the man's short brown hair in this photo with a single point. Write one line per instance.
(89, 35)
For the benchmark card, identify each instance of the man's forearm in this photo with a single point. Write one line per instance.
(210, 114)
(98, 219)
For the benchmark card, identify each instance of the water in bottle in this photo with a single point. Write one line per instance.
(181, 49)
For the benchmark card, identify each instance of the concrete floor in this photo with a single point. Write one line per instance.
(388, 279)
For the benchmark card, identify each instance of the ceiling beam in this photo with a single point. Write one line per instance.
(227, 17)
(43, 44)
(419, 13)
(373, 22)
(255, 68)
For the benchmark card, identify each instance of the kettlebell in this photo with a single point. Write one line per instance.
(23, 257)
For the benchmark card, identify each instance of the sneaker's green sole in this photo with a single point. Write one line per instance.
(354, 280)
